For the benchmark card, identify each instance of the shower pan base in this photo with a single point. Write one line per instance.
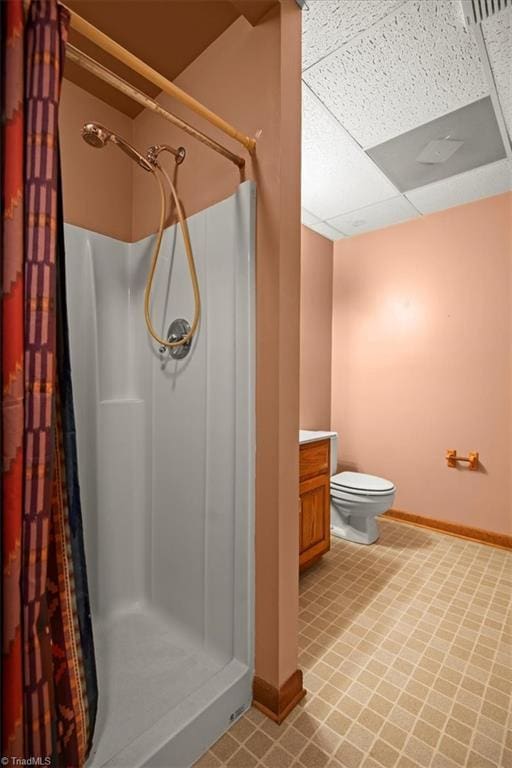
(153, 675)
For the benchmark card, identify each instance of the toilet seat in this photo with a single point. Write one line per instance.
(360, 484)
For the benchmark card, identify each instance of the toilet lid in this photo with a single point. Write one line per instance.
(357, 481)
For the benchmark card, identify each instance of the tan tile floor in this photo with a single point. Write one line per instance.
(406, 648)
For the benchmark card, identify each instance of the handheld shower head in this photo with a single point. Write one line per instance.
(95, 135)
(98, 136)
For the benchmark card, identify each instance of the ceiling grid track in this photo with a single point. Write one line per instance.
(354, 39)
(484, 54)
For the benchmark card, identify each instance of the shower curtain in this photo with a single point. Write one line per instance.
(50, 705)
(12, 373)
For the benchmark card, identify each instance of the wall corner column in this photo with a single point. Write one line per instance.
(278, 682)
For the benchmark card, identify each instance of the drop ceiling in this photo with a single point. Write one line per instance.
(383, 82)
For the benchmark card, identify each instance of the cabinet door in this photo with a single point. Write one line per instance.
(315, 536)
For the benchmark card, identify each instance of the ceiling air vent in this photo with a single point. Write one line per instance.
(476, 11)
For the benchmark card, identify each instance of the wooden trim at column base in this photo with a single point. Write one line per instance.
(278, 703)
(500, 540)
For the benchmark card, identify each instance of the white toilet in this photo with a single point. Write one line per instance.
(356, 500)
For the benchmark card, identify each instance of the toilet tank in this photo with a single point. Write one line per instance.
(334, 453)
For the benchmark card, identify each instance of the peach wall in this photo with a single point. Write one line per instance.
(251, 77)
(315, 330)
(422, 345)
(97, 184)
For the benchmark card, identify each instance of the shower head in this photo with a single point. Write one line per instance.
(98, 136)
(95, 135)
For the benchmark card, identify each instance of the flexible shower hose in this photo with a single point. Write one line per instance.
(154, 262)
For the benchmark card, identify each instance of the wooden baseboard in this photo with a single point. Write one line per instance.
(501, 540)
(277, 703)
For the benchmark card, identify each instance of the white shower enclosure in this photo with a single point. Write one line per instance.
(166, 466)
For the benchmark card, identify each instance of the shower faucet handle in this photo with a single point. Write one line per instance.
(173, 339)
(177, 331)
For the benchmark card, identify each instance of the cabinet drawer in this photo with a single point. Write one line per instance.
(314, 459)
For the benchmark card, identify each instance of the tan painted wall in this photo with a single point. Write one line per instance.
(250, 76)
(97, 184)
(315, 330)
(422, 347)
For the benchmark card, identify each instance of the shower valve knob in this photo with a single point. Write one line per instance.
(178, 329)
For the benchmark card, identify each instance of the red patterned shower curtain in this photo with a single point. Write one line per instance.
(49, 676)
(12, 373)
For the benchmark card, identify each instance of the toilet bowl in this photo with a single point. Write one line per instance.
(356, 500)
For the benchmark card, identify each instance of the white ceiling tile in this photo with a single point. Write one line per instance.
(329, 24)
(376, 216)
(497, 32)
(488, 180)
(326, 230)
(337, 176)
(308, 218)
(415, 66)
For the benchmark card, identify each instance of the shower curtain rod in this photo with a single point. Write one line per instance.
(99, 38)
(86, 62)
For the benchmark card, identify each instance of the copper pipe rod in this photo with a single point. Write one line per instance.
(86, 62)
(106, 43)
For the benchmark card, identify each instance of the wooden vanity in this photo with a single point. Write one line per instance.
(314, 490)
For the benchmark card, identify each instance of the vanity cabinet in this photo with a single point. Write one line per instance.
(314, 490)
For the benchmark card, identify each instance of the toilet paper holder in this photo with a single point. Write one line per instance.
(452, 458)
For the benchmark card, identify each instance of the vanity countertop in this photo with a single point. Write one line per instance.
(310, 436)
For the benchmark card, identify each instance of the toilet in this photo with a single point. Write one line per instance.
(356, 500)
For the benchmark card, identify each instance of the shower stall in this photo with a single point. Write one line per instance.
(166, 467)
